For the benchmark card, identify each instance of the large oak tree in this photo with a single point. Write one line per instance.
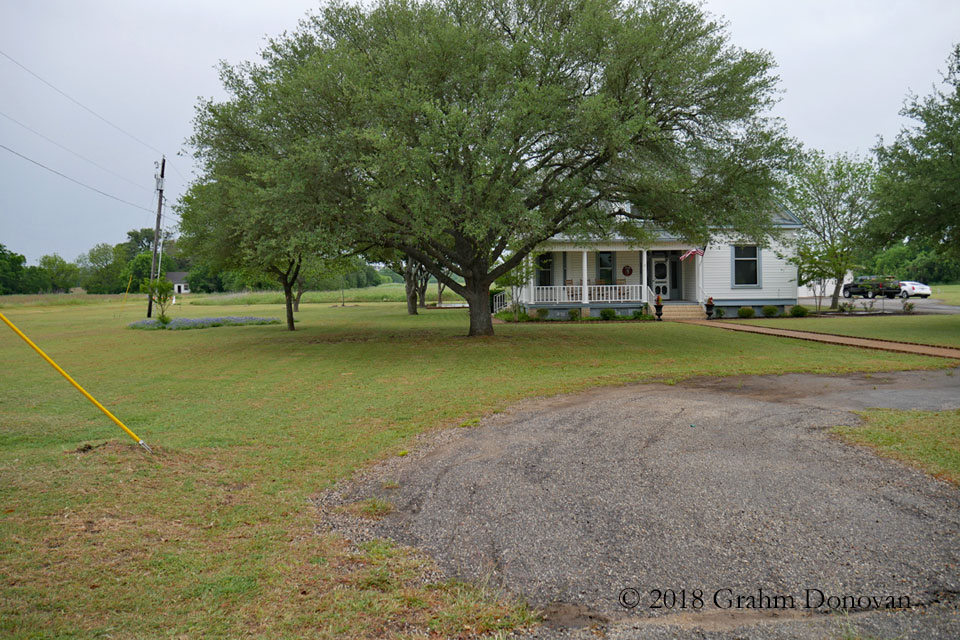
(918, 186)
(464, 133)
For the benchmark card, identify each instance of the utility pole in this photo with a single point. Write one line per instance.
(156, 232)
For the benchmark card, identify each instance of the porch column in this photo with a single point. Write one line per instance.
(700, 295)
(643, 275)
(584, 298)
(531, 285)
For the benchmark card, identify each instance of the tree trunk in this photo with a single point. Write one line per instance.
(288, 295)
(481, 322)
(835, 299)
(440, 288)
(410, 286)
(422, 289)
(296, 300)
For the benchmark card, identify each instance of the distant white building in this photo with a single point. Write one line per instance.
(179, 280)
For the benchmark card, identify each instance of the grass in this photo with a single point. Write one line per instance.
(65, 299)
(949, 293)
(393, 292)
(214, 535)
(936, 330)
(927, 440)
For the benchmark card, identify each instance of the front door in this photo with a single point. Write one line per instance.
(661, 277)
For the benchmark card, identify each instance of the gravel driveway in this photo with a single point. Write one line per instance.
(719, 488)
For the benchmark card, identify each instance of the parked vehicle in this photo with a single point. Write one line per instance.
(909, 288)
(872, 286)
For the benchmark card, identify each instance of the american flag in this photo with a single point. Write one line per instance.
(698, 252)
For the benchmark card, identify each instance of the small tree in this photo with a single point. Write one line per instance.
(161, 292)
(832, 198)
(516, 279)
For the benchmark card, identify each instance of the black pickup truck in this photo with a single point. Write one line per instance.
(872, 286)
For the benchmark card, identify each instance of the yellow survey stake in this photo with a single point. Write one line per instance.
(75, 384)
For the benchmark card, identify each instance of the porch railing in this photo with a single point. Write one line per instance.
(595, 293)
(499, 302)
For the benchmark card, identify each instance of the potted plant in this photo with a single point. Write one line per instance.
(658, 306)
(709, 307)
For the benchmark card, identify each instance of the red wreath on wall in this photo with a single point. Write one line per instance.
(627, 270)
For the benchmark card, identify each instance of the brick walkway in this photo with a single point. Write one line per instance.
(850, 341)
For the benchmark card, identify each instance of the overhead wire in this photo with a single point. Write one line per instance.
(74, 180)
(80, 104)
(82, 157)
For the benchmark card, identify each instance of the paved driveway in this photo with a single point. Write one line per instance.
(719, 488)
(928, 305)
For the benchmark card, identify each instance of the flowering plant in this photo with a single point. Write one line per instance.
(201, 323)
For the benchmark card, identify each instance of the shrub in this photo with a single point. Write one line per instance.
(846, 307)
(770, 311)
(799, 311)
(908, 307)
(745, 312)
(608, 314)
(574, 314)
(719, 312)
(542, 314)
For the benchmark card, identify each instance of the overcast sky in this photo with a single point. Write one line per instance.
(845, 68)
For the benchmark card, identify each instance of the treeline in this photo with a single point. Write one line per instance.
(107, 268)
(912, 261)
(103, 269)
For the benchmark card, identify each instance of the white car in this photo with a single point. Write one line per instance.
(908, 289)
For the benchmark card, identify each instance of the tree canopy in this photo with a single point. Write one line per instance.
(833, 199)
(919, 182)
(464, 133)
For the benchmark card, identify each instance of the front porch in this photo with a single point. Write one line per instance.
(615, 278)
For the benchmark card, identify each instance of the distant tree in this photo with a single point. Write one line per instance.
(913, 261)
(35, 280)
(389, 273)
(140, 240)
(918, 187)
(832, 197)
(138, 268)
(202, 278)
(11, 271)
(63, 275)
(103, 265)
(318, 274)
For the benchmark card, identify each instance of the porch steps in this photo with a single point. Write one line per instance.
(683, 312)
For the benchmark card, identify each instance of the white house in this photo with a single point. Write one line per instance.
(614, 273)
(179, 280)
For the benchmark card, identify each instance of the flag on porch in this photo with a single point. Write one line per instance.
(698, 252)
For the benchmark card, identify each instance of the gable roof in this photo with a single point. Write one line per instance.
(177, 277)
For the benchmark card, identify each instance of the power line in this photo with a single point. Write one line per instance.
(81, 105)
(82, 157)
(82, 184)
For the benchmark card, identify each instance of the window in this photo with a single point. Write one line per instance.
(746, 266)
(545, 270)
(605, 267)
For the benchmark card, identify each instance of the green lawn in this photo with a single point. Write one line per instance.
(935, 330)
(214, 535)
(928, 440)
(949, 293)
(393, 292)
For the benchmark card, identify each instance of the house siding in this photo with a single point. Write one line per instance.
(778, 277)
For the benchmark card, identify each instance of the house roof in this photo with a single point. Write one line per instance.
(177, 277)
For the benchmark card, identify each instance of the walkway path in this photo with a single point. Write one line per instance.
(866, 343)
